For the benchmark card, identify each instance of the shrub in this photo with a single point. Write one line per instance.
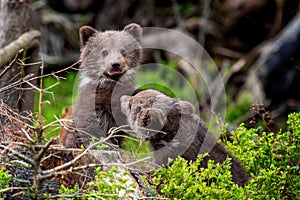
(271, 160)
(112, 184)
(183, 180)
(4, 180)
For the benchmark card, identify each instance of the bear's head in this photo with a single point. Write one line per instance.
(149, 111)
(110, 53)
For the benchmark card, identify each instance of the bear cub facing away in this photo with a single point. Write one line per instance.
(174, 130)
(107, 58)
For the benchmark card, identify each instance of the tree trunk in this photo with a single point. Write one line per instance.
(15, 19)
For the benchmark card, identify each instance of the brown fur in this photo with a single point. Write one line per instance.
(107, 104)
(181, 134)
(113, 56)
(68, 136)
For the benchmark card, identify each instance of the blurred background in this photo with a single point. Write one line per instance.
(255, 45)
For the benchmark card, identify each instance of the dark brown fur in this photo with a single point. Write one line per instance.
(107, 104)
(113, 56)
(182, 132)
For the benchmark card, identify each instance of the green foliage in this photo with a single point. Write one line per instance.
(134, 147)
(186, 180)
(113, 184)
(65, 191)
(4, 179)
(187, 8)
(165, 78)
(271, 160)
(100, 146)
(238, 108)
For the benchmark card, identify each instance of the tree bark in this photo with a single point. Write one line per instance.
(15, 19)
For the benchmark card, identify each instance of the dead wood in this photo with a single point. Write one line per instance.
(16, 19)
(44, 167)
(26, 41)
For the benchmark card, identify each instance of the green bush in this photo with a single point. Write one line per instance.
(4, 180)
(183, 180)
(271, 160)
(107, 185)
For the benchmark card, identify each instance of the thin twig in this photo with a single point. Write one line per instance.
(40, 107)
(17, 83)
(28, 136)
(44, 149)
(71, 163)
(11, 63)
(57, 72)
(92, 165)
(13, 188)
(10, 116)
(18, 154)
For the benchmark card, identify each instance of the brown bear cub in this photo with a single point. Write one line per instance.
(174, 130)
(107, 58)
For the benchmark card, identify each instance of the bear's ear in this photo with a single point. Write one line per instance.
(135, 30)
(186, 108)
(125, 104)
(85, 33)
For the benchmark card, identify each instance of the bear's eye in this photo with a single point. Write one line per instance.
(129, 105)
(104, 53)
(123, 52)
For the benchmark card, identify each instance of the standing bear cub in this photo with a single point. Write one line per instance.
(174, 130)
(108, 59)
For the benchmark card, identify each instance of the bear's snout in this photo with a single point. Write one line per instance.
(116, 65)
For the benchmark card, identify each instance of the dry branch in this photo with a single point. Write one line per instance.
(44, 161)
(26, 41)
(18, 154)
(17, 83)
(12, 188)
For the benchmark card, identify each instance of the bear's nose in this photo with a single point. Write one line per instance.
(115, 65)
